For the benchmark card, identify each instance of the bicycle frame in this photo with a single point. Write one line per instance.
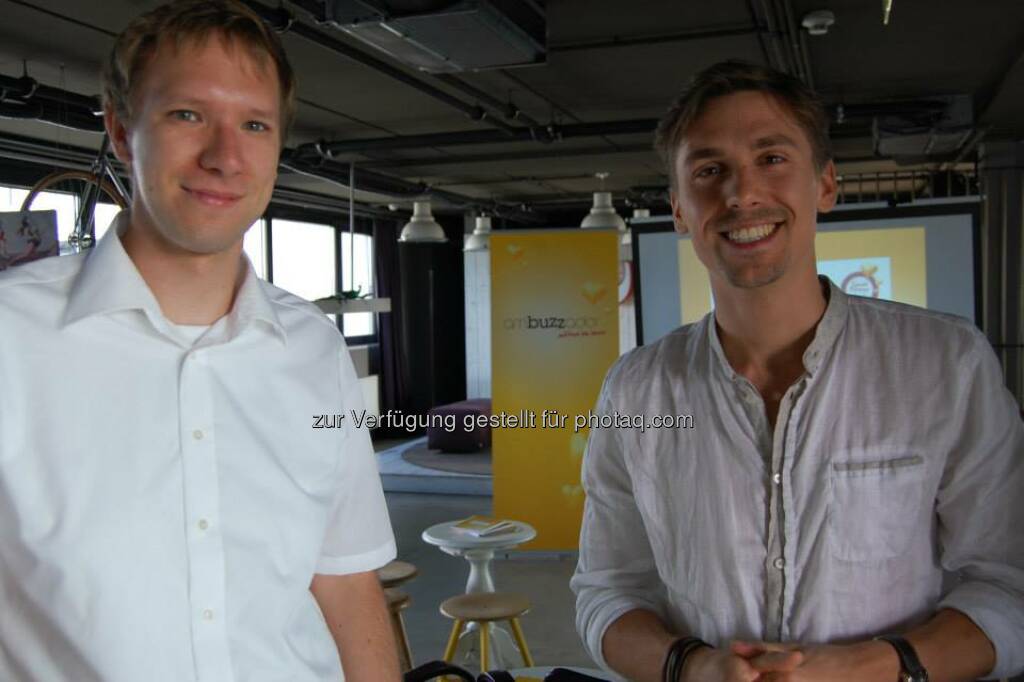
(83, 236)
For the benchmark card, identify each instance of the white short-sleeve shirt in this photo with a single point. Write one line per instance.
(164, 504)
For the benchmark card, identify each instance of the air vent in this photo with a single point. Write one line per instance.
(447, 36)
(913, 138)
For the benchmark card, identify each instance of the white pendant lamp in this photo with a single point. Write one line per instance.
(422, 227)
(602, 214)
(478, 241)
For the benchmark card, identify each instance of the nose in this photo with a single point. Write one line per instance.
(223, 151)
(743, 188)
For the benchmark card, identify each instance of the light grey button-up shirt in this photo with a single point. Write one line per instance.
(896, 457)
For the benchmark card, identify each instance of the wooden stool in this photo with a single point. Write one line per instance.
(397, 602)
(483, 608)
(396, 573)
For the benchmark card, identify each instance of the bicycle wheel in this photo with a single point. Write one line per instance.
(56, 179)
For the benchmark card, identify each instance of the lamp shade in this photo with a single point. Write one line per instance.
(422, 227)
(602, 214)
(478, 241)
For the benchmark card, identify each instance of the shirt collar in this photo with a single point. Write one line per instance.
(109, 282)
(829, 327)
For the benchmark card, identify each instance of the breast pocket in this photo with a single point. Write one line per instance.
(877, 507)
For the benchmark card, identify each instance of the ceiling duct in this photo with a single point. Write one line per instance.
(447, 36)
(917, 137)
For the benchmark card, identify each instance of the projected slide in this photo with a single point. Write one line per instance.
(877, 263)
(926, 261)
(868, 277)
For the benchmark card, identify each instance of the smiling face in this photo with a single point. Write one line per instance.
(202, 145)
(748, 192)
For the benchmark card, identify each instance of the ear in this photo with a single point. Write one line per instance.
(828, 188)
(677, 213)
(118, 133)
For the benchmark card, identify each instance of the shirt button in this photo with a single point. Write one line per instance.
(197, 434)
(779, 563)
(207, 614)
(203, 524)
(776, 479)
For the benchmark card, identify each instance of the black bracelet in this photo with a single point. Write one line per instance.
(677, 655)
(670, 662)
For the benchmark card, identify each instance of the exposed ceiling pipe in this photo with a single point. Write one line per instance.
(26, 88)
(49, 112)
(922, 107)
(368, 181)
(510, 111)
(764, 18)
(682, 36)
(791, 39)
(23, 111)
(544, 153)
(281, 20)
(548, 134)
(555, 133)
(798, 41)
(806, 56)
(32, 150)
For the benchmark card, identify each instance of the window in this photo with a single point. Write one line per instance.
(62, 202)
(357, 274)
(255, 247)
(66, 205)
(303, 256)
(102, 217)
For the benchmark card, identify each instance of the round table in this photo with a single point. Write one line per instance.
(479, 552)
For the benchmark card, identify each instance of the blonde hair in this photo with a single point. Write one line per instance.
(192, 21)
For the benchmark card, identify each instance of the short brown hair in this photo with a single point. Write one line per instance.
(192, 20)
(726, 78)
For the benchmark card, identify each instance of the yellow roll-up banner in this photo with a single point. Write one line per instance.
(554, 334)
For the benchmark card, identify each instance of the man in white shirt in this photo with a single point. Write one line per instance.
(846, 452)
(168, 509)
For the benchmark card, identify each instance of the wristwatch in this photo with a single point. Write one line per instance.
(911, 669)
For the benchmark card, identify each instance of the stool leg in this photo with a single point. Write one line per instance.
(403, 641)
(453, 641)
(484, 646)
(517, 631)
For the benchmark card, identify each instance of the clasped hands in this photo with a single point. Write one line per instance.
(766, 662)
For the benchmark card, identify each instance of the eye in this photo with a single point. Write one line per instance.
(185, 115)
(774, 159)
(707, 171)
(256, 126)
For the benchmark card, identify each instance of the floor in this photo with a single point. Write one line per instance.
(549, 627)
(399, 475)
(543, 577)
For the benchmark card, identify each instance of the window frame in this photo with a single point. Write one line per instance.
(339, 223)
(24, 179)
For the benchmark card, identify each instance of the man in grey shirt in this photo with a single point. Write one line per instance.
(846, 452)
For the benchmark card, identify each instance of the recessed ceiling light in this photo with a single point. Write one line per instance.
(818, 22)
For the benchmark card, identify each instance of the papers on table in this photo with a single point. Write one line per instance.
(485, 526)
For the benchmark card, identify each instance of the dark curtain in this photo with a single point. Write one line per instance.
(422, 339)
(393, 390)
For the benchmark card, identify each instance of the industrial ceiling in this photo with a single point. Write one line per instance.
(920, 90)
